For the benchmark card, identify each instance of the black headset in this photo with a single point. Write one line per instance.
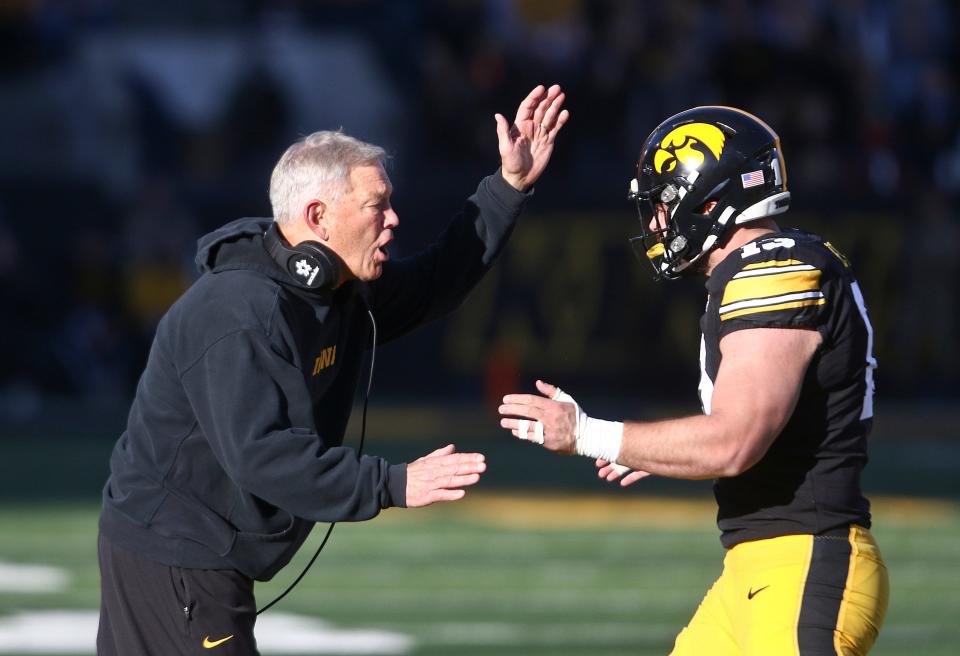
(311, 265)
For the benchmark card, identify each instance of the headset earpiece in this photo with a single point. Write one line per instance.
(311, 265)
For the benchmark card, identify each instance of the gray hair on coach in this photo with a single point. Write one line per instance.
(317, 166)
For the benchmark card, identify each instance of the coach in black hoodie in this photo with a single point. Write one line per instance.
(233, 444)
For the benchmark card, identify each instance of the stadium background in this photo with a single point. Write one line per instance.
(130, 128)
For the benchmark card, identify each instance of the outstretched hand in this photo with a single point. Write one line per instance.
(554, 421)
(442, 475)
(526, 146)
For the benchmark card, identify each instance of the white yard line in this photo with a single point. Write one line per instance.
(49, 632)
(543, 634)
(285, 633)
(32, 578)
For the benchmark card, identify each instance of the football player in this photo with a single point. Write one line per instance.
(786, 386)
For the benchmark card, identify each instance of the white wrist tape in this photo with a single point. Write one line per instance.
(596, 438)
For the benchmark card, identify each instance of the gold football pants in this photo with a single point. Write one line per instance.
(795, 595)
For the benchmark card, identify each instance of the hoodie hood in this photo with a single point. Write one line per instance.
(237, 245)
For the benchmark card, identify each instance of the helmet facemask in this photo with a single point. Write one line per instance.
(671, 242)
(705, 154)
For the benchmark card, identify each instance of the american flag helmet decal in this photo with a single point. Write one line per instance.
(752, 179)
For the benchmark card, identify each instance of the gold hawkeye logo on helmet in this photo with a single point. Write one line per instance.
(685, 144)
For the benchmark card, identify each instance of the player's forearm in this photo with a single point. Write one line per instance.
(696, 447)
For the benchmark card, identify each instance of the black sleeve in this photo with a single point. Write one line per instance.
(434, 282)
(240, 391)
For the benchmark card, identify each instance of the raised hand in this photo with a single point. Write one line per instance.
(526, 146)
(442, 475)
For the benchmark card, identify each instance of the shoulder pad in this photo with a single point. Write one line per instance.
(770, 278)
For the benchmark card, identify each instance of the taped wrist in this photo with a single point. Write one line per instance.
(595, 438)
(598, 438)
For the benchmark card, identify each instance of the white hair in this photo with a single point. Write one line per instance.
(317, 166)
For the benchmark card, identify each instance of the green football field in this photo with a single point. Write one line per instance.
(496, 574)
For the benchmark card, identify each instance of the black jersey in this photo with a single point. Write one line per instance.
(808, 482)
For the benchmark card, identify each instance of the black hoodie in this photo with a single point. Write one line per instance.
(233, 444)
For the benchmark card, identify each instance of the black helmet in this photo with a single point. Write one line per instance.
(705, 154)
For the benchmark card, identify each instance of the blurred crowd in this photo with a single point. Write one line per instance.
(129, 128)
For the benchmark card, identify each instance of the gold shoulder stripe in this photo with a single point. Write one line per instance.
(772, 263)
(766, 271)
(774, 284)
(772, 308)
(768, 301)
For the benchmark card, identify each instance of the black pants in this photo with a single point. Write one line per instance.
(147, 608)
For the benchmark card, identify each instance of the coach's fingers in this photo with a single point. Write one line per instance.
(551, 107)
(561, 121)
(454, 459)
(428, 481)
(458, 468)
(525, 112)
(503, 131)
(442, 451)
(435, 473)
(459, 480)
(543, 105)
(425, 471)
(445, 495)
